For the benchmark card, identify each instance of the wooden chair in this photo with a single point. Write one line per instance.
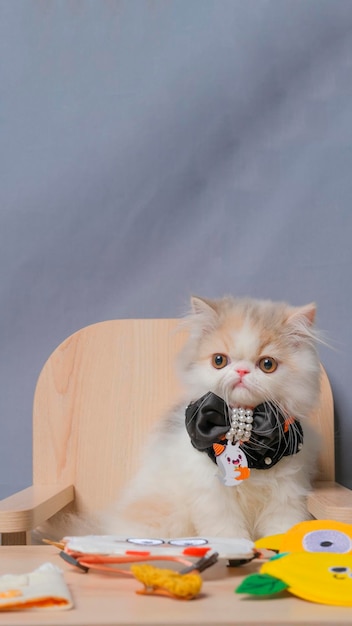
(96, 398)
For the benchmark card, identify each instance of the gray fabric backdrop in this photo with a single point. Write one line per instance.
(156, 148)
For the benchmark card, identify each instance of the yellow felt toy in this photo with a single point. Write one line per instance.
(314, 563)
(311, 536)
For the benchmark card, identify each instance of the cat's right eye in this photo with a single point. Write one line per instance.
(267, 364)
(219, 361)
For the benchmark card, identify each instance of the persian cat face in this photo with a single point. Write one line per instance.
(252, 351)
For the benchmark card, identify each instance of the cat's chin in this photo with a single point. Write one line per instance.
(240, 396)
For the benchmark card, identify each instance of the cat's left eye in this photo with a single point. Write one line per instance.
(219, 361)
(267, 364)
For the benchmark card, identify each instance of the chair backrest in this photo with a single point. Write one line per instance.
(98, 396)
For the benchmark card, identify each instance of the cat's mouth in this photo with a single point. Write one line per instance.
(239, 384)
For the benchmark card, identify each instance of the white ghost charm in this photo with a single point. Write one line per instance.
(232, 463)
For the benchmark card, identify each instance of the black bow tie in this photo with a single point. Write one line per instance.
(273, 434)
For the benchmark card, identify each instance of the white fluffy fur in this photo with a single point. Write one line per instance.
(177, 491)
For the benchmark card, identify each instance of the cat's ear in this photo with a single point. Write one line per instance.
(305, 313)
(203, 306)
(204, 316)
(301, 319)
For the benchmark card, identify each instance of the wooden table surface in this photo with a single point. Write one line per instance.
(104, 599)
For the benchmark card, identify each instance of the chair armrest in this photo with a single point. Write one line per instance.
(30, 507)
(329, 500)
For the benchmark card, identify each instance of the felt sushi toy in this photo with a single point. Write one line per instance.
(129, 557)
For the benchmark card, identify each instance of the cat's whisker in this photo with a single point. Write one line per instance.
(196, 411)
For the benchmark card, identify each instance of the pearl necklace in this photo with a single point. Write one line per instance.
(241, 425)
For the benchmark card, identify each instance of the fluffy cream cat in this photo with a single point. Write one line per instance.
(249, 353)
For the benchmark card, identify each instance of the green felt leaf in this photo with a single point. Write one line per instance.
(261, 585)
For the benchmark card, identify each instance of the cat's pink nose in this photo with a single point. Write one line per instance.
(242, 372)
